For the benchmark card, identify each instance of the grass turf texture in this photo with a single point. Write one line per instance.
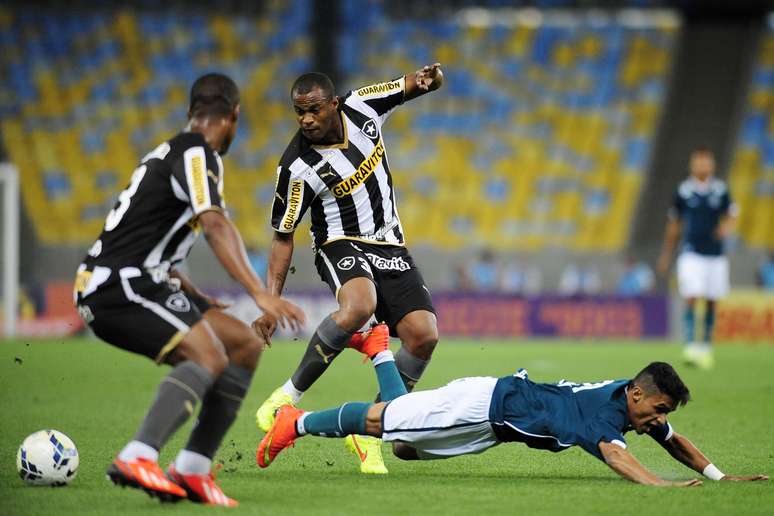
(97, 395)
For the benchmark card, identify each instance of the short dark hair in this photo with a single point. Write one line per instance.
(662, 377)
(702, 149)
(309, 81)
(213, 94)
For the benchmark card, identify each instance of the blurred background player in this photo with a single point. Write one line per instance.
(132, 296)
(336, 165)
(702, 216)
(471, 415)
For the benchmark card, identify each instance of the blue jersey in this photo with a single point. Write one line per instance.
(557, 416)
(699, 207)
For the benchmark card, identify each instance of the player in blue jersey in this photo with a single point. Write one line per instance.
(471, 415)
(704, 215)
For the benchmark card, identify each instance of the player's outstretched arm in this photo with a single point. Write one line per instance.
(626, 465)
(226, 243)
(426, 79)
(682, 449)
(281, 254)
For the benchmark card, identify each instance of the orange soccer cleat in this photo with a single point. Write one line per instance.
(145, 474)
(201, 488)
(372, 341)
(281, 435)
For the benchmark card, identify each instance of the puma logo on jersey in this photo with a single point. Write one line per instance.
(212, 175)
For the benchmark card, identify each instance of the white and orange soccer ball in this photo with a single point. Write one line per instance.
(47, 458)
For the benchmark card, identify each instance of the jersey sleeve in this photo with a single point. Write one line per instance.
(202, 186)
(292, 198)
(677, 208)
(662, 433)
(382, 98)
(605, 427)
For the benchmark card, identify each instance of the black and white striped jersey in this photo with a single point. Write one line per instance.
(348, 186)
(153, 223)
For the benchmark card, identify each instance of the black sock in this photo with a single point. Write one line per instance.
(175, 401)
(219, 409)
(327, 342)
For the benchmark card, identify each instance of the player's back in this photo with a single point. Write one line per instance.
(152, 221)
(554, 416)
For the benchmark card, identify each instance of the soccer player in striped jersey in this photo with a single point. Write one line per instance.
(705, 214)
(471, 415)
(336, 167)
(131, 294)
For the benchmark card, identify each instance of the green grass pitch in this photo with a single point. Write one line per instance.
(97, 395)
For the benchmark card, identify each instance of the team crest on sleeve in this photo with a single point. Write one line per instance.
(370, 130)
(178, 302)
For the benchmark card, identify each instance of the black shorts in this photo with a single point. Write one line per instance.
(139, 314)
(400, 288)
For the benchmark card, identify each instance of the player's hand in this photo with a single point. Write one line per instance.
(286, 313)
(750, 478)
(694, 482)
(265, 326)
(429, 75)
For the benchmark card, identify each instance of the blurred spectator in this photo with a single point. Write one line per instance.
(765, 275)
(579, 279)
(482, 273)
(636, 278)
(521, 278)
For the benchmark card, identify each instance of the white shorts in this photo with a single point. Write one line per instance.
(445, 422)
(700, 276)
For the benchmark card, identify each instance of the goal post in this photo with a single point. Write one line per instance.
(9, 184)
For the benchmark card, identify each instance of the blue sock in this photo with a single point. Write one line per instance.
(689, 321)
(709, 322)
(349, 418)
(390, 383)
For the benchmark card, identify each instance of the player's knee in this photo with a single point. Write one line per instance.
(422, 341)
(403, 451)
(245, 350)
(203, 347)
(354, 316)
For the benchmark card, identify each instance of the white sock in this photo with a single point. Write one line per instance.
(192, 463)
(300, 423)
(382, 357)
(136, 449)
(290, 389)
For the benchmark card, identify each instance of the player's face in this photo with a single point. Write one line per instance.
(316, 114)
(702, 165)
(647, 411)
(231, 134)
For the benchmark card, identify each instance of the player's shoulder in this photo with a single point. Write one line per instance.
(718, 186)
(183, 141)
(685, 189)
(299, 148)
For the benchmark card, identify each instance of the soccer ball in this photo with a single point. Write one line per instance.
(47, 458)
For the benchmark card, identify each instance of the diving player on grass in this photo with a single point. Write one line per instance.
(471, 415)
(336, 167)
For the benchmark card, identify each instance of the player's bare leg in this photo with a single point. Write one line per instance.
(357, 302)
(197, 360)
(418, 333)
(220, 406)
